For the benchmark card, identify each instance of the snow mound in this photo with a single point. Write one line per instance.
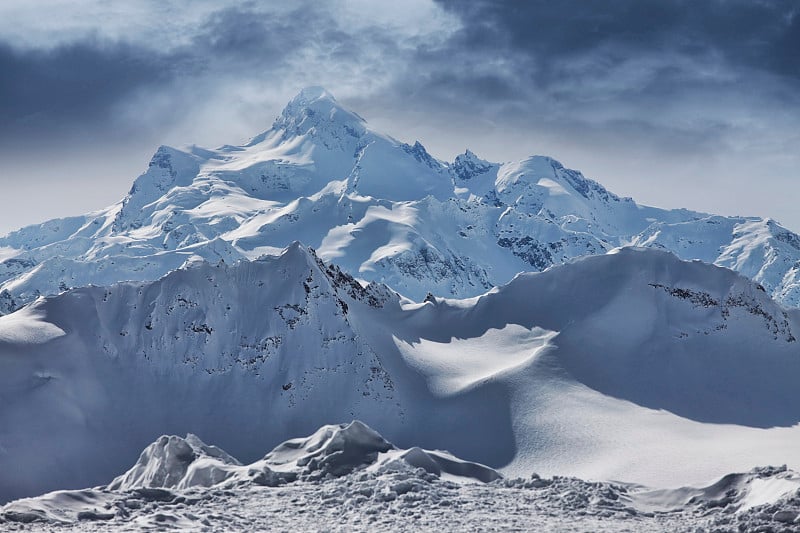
(758, 500)
(440, 464)
(331, 450)
(173, 462)
(739, 492)
(173, 465)
(177, 462)
(389, 499)
(337, 450)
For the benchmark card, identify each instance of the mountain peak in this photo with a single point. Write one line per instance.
(315, 110)
(467, 166)
(311, 94)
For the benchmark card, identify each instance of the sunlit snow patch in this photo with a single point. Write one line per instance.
(454, 366)
(28, 326)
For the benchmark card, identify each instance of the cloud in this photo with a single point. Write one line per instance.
(667, 67)
(758, 34)
(646, 91)
(693, 75)
(675, 102)
(128, 80)
(629, 53)
(72, 87)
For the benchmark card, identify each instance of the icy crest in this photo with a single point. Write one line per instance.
(314, 111)
(176, 462)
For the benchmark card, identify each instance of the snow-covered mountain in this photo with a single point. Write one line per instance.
(382, 209)
(632, 365)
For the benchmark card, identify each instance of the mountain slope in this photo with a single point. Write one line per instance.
(382, 209)
(611, 367)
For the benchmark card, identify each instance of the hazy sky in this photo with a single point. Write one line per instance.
(682, 103)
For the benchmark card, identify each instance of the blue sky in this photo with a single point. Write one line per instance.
(676, 103)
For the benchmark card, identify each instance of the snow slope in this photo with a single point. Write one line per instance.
(349, 478)
(383, 210)
(633, 365)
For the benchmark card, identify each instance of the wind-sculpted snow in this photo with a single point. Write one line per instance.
(382, 209)
(332, 451)
(633, 365)
(178, 463)
(347, 477)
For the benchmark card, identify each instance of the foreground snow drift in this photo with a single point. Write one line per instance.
(632, 366)
(348, 477)
(174, 462)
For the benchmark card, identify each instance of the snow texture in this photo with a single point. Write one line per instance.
(655, 348)
(382, 209)
(633, 366)
(348, 478)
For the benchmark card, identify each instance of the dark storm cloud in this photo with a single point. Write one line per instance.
(235, 38)
(648, 90)
(684, 71)
(592, 62)
(762, 35)
(236, 33)
(546, 40)
(81, 86)
(74, 86)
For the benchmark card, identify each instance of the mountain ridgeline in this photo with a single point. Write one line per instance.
(606, 356)
(518, 315)
(383, 210)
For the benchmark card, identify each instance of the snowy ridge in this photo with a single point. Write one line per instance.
(382, 209)
(604, 357)
(351, 476)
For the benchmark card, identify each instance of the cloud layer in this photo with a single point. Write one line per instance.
(676, 102)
